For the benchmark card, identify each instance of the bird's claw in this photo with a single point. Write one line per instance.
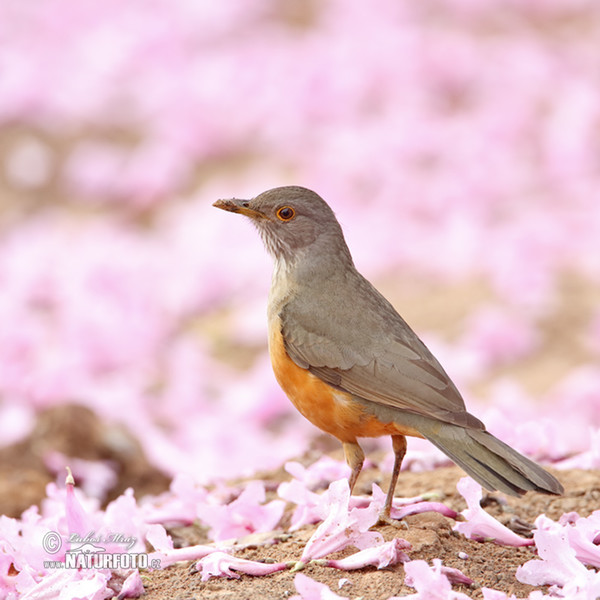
(386, 519)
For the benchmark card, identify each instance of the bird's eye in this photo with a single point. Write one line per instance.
(286, 213)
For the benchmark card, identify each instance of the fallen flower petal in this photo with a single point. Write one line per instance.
(562, 547)
(179, 504)
(582, 533)
(322, 471)
(132, 587)
(430, 582)
(94, 477)
(557, 564)
(174, 555)
(479, 524)
(421, 507)
(78, 521)
(588, 459)
(455, 575)
(385, 555)
(585, 550)
(124, 515)
(342, 526)
(159, 538)
(308, 509)
(586, 590)
(246, 514)
(309, 589)
(378, 496)
(220, 564)
(69, 583)
(569, 518)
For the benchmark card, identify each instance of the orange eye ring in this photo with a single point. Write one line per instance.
(286, 213)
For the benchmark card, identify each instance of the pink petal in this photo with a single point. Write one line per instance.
(157, 536)
(220, 564)
(378, 498)
(342, 526)
(81, 584)
(179, 504)
(430, 582)
(244, 515)
(479, 524)
(308, 509)
(421, 507)
(95, 477)
(588, 459)
(132, 586)
(580, 533)
(384, 555)
(325, 469)
(557, 564)
(170, 557)
(78, 521)
(585, 550)
(309, 589)
(455, 575)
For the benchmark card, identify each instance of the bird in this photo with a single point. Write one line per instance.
(351, 364)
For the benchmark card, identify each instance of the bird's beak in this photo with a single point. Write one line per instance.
(239, 206)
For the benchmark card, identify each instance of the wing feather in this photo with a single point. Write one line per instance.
(379, 359)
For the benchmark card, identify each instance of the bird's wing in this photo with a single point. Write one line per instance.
(381, 360)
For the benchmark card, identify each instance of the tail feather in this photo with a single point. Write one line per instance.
(492, 463)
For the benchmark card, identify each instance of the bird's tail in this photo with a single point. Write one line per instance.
(491, 462)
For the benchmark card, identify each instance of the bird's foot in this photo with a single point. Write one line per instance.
(385, 519)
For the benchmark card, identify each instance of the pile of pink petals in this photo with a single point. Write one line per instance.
(435, 163)
(33, 546)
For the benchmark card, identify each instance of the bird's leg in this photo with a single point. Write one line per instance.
(399, 446)
(355, 458)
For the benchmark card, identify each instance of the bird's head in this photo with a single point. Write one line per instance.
(291, 220)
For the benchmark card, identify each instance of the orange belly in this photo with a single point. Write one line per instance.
(331, 410)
